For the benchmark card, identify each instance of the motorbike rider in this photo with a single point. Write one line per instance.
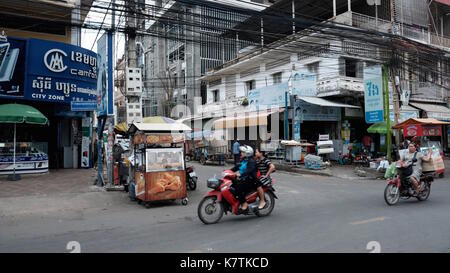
(247, 174)
(265, 168)
(417, 166)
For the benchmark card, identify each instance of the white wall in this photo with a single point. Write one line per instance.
(328, 68)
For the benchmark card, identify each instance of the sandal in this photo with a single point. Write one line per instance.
(259, 207)
(243, 211)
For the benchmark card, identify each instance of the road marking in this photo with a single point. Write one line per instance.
(194, 251)
(378, 219)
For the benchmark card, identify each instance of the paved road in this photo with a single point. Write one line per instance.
(313, 214)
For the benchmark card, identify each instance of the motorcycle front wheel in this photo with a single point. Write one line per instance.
(391, 194)
(209, 210)
(425, 194)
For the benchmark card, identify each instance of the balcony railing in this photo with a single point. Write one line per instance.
(339, 85)
(215, 108)
(412, 32)
(369, 22)
(425, 91)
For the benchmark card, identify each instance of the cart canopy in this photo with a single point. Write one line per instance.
(420, 121)
(158, 127)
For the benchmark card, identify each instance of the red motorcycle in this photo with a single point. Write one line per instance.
(222, 200)
(400, 187)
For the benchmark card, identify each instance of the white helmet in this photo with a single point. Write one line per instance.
(247, 150)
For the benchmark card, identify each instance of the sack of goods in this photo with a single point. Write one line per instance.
(313, 162)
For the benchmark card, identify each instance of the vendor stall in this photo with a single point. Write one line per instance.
(422, 127)
(428, 134)
(158, 152)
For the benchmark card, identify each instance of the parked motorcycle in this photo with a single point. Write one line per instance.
(362, 158)
(400, 187)
(222, 200)
(191, 178)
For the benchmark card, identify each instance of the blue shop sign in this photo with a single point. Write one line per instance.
(59, 72)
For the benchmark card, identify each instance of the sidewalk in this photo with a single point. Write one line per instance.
(55, 181)
(336, 170)
(343, 171)
(54, 193)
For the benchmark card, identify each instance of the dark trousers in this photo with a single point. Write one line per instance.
(236, 159)
(242, 188)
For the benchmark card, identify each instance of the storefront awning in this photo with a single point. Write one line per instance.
(324, 102)
(245, 119)
(439, 112)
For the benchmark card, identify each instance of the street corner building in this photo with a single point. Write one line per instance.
(43, 65)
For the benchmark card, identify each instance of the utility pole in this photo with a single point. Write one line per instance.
(111, 64)
(386, 106)
(131, 31)
(133, 87)
(395, 82)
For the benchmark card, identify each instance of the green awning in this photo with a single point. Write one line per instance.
(20, 113)
(379, 128)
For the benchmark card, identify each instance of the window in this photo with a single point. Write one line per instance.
(203, 93)
(313, 68)
(215, 94)
(249, 85)
(277, 77)
(350, 68)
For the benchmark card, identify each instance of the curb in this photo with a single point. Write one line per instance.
(301, 171)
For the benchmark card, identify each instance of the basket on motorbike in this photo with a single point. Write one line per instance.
(213, 183)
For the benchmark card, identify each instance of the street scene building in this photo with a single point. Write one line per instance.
(46, 67)
(247, 126)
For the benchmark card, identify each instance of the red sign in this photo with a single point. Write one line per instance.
(412, 130)
(432, 130)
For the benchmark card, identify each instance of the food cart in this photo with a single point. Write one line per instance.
(160, 170)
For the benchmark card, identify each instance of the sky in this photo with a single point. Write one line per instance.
(89, 37)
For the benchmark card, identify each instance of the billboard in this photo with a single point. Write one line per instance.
(304, 84)
(59, 72)
(12, 67)
(267, 97)
(105, 87)
(373, 94)
(42, 70)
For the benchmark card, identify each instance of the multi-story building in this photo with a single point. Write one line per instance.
(48, 69)
(316, 44)
(119, 91)
(187, 41)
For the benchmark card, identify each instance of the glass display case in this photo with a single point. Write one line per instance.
(31, 157)
(164, 159)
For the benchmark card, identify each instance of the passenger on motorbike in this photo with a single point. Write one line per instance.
(265, 167)
(246, 172)
(417, 166)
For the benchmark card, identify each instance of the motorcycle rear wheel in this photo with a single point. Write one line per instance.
(209, 210)
(391, 194)
(192, 183)
(270, 204)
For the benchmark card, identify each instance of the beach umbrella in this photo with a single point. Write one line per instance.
(20, 113)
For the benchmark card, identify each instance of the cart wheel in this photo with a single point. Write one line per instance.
(185, 201)
(147, 205)
(139, 201)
